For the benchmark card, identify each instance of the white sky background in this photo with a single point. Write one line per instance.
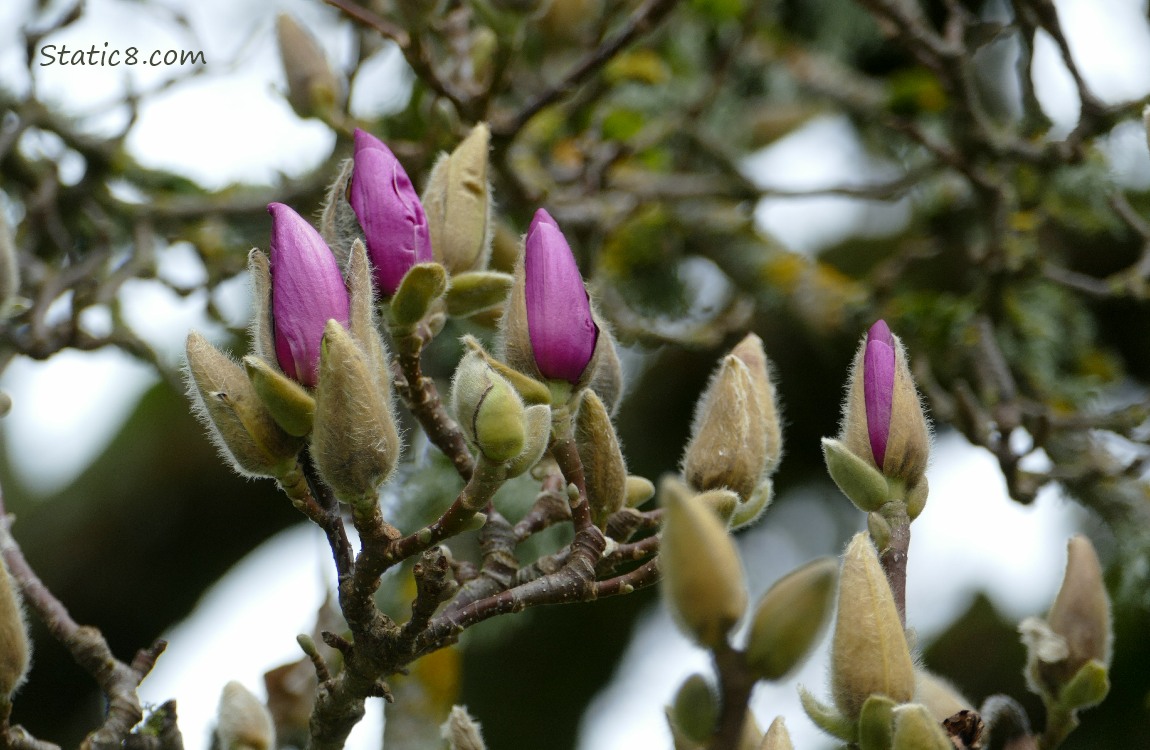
(232, 125)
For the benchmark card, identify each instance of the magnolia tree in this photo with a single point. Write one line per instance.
(337, 402)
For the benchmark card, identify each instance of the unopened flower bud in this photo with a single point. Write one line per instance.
(751, 510)
(728, 445)
(389, 211)
(916, 729)
(457, 200)
(638, 491)
(242, 428)
(750, 351)
(289, 403)
(489, 411)
(537, 424)
(777, 736)
(475, 292)
(869, 652)
(354, 439)
(607, 377)
(789, 619)
(242, 721)
(604, 469)
(1077, 630)
(722, 501)
(15, 647)
(549, 331)
(307, 291)
(695, 709)
(702, 574)
(883, 420)
(528, 388)
(313, 88)
(362, 319)
(418, 291)
(461, 731)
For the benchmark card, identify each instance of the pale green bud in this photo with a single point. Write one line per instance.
(604, 469)
(461, 731)
(9, 268)
(457, 201)
(241, 427)
(859, 480)
(916, 496)
(728, 447)
(475, 292)
(537, 422)
(828, 718)
(916, 729)
(876, 723)
(529, 389)
(695, 709)
(789, 619)
(702, 573)
(746, 513)
(489, 410)
(354, 439)
(15, 647)
(869, 651)
(242, 721)
(314, 90)
(777, 737)
(940, 697)
(289, 403)
(421, 287)
(638, 491)
(722, 502)
(879, 530)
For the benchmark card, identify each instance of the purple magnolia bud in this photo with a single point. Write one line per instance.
(307, 291)
(389, 211)
(878, 387)
(559, 322)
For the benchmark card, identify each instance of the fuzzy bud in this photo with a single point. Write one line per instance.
(354, 440)
(457, 200)
(695, 709)
(869, 652)
(461, 731)
(289, 403)
(418, 290)
(728, 445)
(750, 351)
(242, 721)
(537, 423)
(313, 88)
(389, 211)
(777, 736)
(638, 491)
(603, 465)
(790, 618)
(916, 729)
(528, 388)
(702, 574)
(883, 421)
(15, 647)
(939, 696)
(489, 411)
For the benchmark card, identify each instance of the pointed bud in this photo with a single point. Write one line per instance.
(869, 653)
(883, 420)
(528, 388)
(702, 574)
(747, 513)
(354, 439)
(15, 647)
(777, 737)
(728, 445)
(549, 331)
(242, 721)
(828, 718)
(313, 88)
(241, 427)
(461, 731)
(489, 411)
(307, 291)
(750, 351)
(607, 378)
(458, 204)
(695, 709)
(262, 328)
(638, 491)
(916, 729)
(857, 478)
(289, 403)
(420, 288)
(474, 292)
(362, 319)
(389, 211)
(604, 469)
(789, 619)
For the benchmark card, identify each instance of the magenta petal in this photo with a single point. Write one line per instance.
(307, 291)
(559, 323)
(388, 208)
(878, 387)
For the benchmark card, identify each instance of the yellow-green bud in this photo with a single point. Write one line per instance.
(702, 574)
(239, 424)
(242, 721)
(869, 652)
(859, 480)
(313, 88)
(537, 423)
(457, 201)
(876, 723)
(361, 317)
(777, 737)
(916, 729)
(604, 469)
(530, 390)
(746, 513)
(15, 648)
(461, 731)
(638, 491)
(422, 285)
(489, 410)
(474, 292)
(789, 619)
(354, 439)
(722, 502)
(695, 709)
(728, 445)
(289, 403)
